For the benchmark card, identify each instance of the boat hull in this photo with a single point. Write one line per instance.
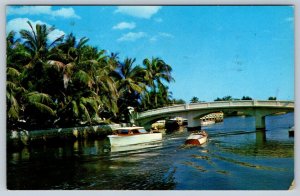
(196, 139)
(116, 140)
(135, 147)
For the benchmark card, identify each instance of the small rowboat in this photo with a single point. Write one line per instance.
(197, 138)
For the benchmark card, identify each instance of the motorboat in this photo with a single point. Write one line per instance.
(160, 124)
(175, 123)
(197, 138)
(132, 135)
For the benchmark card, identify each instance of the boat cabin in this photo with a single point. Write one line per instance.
(130, 131)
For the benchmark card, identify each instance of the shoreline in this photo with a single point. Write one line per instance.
(25, 138)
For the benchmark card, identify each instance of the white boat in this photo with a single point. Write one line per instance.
(132, 135)
(137, 147)
(197, 138)
(160, 124)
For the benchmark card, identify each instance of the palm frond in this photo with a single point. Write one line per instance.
(85, 112)
(82, 42)
(10, 71)
(36, 97)
(75, 108)
(43, 108)
(84, 78)
(56, 64)
(13, 106)
(56, 41)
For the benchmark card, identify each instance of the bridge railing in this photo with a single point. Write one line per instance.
(220, 104)
(217, 104)
(174, 108)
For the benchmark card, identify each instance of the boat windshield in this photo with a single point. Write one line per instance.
(142, 131)
(123, 131)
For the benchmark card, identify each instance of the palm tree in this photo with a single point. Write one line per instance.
(70, 82)
(13, 91)
(129, 83)
(226, 98)
(38, 107)
(156, 73)
(76, 98)
(88, 85)
(27, 76)
(194, 100)
(130, 77)
(37, 43)
(101, 68)
(23, 104)
(38, 46)
(246, 98)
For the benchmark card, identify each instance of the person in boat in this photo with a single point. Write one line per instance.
(202, 132)
(154, 130)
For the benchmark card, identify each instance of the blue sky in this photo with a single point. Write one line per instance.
(215, 51)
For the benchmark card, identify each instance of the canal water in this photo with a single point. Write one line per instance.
(236, 157)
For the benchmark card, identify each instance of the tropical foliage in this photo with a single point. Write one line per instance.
(230, 98)
(66, 82)
(272, 98)
(226, 98)
(194, 100)
(246, 98)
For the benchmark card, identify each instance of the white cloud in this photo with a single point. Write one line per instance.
(131, 36)
(161, 35)
(168, 35)
(124, 25)
(38, 10)
(153, 39)
(138, 11)
(18, 24)
(65, 13)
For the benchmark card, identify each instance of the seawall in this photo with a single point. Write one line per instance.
(25, 137)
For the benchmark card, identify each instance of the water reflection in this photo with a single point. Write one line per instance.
(261, 137)
(23, 155)
(139, 148)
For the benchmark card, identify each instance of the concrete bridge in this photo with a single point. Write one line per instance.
(193, 112)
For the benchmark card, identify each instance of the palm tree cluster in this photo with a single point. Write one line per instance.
(67, 82)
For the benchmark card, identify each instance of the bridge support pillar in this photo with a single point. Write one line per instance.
(261, 137)
(193, 124)
(260, 123)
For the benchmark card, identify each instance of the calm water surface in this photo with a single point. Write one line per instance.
(236, 157)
